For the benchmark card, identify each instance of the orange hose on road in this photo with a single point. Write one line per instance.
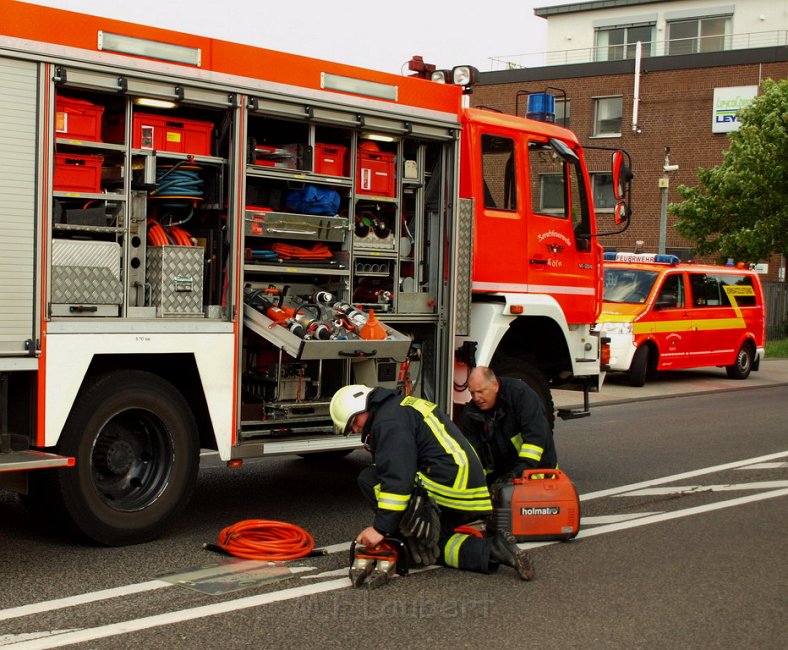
(264, 539)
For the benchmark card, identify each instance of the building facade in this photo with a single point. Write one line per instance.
(669, 101)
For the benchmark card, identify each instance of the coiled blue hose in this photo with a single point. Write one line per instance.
(179, 182)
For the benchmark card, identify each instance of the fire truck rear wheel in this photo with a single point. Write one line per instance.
(532, 376)
(137, 450)
(743, 365)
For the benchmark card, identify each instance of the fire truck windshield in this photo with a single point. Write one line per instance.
(628, 285)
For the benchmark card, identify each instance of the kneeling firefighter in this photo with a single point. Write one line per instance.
(425, 482)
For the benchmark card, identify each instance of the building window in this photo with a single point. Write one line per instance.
(699, 35)
(562, 112)
(617, 43)
(607, 116)
(551, 198)
(558, 190)
(683, 253)
(602, 188)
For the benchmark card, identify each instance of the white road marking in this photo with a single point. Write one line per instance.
(680, 477)
(613, 519)
(694, 489)
(70, 601)
(764, 466)
(687, 512)
(326, 574)
(5, 639)
(287, 594)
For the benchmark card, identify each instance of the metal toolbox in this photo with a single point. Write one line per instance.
(86, 273)
(287, 225)
(175, 277)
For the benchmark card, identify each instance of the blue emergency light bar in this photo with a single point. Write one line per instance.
(643, 258)
(541, 107)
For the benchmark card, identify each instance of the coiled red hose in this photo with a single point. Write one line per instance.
(264, 539)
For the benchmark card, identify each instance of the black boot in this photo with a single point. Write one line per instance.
(504, 550)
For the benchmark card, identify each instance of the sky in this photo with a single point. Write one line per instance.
(382, 35)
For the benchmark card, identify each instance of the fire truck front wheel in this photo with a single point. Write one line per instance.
(137, 450)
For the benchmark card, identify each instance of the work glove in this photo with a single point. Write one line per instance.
(421, 527)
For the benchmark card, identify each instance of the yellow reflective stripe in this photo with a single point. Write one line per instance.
(705, 324)
(392, 501)
(444, 490)
(615, 318)
(451, 551)
(517, 440)
(449, 444)
(531, 451)
(475, 505)
(654, 327)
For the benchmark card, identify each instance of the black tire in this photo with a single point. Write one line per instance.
(137, 450)
(532, 376)
(639, 367)
(742, 367)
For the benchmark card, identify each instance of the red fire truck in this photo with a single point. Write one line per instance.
(202, 241)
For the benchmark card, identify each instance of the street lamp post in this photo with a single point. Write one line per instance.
(664, 185)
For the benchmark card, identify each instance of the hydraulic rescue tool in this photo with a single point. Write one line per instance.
(377, 565)
(542, 504)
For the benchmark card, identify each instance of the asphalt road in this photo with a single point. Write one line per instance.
(683, 544)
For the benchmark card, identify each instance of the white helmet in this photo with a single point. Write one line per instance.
(347, 402)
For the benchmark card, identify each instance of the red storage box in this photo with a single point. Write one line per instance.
(330, 159)
(78, 119)
(164, 133)
(375, 171)
(77, 173)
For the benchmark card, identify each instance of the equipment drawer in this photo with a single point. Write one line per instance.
(395, 346)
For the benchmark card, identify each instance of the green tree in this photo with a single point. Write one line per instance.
(739, 209)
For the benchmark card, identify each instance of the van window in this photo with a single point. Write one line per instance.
(708, 290)
(628, 285)
(671, 294)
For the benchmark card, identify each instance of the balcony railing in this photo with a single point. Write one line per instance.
(703, 44)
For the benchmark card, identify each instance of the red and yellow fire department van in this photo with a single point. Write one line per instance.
(663, 315)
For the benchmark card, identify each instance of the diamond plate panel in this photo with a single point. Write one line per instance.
(86, 272)
(464, 240)
(175, 275)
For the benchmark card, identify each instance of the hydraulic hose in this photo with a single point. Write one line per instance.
(265, 539)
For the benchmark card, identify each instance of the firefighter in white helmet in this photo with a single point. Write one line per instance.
(415, 445)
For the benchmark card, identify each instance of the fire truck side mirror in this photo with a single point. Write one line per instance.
(622, 175)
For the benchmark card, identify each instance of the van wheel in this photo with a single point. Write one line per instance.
(639, 367)
(532, 376)
(743, 365)
(135, 441)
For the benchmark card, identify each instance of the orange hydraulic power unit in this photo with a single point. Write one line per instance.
(541, 505)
